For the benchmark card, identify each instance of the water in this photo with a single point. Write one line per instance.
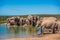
(15, 32)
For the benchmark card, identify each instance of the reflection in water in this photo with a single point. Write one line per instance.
(14, 30)
(17, 32)
(31, 31)
(26, 32)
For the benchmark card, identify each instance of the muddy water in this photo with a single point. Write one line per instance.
(16, 32)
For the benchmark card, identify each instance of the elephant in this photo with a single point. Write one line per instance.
(17, 20)
(48, 23)
(48, 18)
(8, 24)
(58, 23)
(27, 22)
(12, 22)
(22, 21)
(33, 20)
(9, 19)
(38, 23)
(30, 16)
(37, 19)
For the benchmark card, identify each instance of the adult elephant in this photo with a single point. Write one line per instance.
(36, 19)
(48, 23)
(58, 23)
(48, 18)
(11, 21)
(27, 22)
(17, 20)
(38, 23)
(22, 21)
(33, 19)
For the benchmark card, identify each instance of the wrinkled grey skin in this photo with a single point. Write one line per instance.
(58, 23)
(48, 22)
(32, 20)
(11, 20)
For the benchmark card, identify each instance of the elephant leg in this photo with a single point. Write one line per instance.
(53, 29)
(11, 23)
(18, 24)
(56, 28)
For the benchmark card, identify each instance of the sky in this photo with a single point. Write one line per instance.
(27, 7)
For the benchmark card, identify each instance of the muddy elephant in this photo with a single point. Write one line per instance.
(9, 19)
(22, 21)
(38, 23)
(36, 18)
(48, 18)
(8, 24)
(17, 20)
(30, 16)
(30, 19)
(27, 22)
(58, 23)
(48, 23)
(33, 20)
(12, 22)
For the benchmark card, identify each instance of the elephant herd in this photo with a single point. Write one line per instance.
(45, 22)
(20, 21)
